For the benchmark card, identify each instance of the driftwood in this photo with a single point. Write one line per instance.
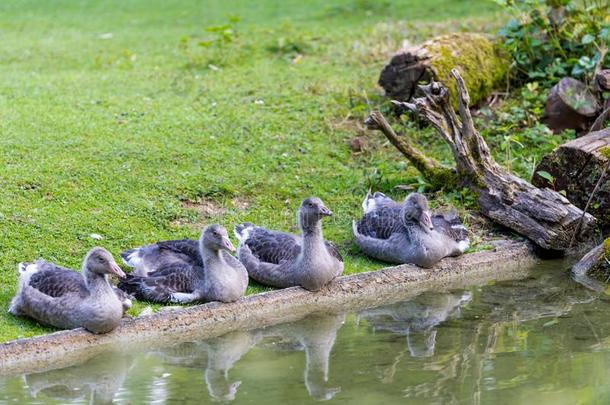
(597, 260)
(570, 105)
(543, 215)
(581, 170)
(481, 61)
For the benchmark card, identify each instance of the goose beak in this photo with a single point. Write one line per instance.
(426, 221)
(325, 212)
(116, 270)
(228, 245)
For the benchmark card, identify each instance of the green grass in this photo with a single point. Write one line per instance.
(111, 118)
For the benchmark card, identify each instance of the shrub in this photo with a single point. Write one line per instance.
(554, 38)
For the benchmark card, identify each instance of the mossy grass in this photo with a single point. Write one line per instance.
(115, 133)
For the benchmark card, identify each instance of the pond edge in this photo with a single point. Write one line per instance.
(509, 260)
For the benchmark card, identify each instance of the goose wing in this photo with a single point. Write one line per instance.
(56, 281)
(150, 258)
(381, 223)
(377, 200)
(450, 225)
(334, 252)
(272, 246)
(186, 249)
(159, 285)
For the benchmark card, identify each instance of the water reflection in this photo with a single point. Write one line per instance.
(509, 340)
(546, 295)
(217, 356)
(416, 319)
(541, 339)
(96, 381)
(316, 335)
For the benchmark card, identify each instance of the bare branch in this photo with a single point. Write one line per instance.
(431, 169)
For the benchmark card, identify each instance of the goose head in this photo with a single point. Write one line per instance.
(215, 238)
(100, 261)
(415, 211)
(311, 211)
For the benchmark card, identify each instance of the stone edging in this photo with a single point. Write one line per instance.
(60, 349)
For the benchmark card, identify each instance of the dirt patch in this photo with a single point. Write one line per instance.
(205, 208)
(241, 204)
(208, 210)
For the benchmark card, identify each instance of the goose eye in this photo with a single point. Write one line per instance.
(310, 205)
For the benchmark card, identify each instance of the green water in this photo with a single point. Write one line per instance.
(542, 340)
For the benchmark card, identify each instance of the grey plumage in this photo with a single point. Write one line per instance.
(55, 281)
(315, 335)
(186, 270)
(62, 298)
(218, 356)
(282, 260)
(407, 232)
(161, 255)
(96, 381)
(417, 318)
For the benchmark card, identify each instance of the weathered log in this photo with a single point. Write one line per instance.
(601, 118)
(482, 62)
(595, 261)
(570, 105)
(543, 215)
(580, 168)
(601, 82)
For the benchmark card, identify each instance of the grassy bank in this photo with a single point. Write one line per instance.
(143, 121)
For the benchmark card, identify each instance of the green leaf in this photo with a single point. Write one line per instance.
(551, 323)
(546, 175)
(587, 39)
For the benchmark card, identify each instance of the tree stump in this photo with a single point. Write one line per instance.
(579, 167)
(482, 62)
(570, 105)
(542, 215)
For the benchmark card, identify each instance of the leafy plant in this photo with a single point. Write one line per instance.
(515, 133)
(546, 175)
(549, 39)
(212, 50)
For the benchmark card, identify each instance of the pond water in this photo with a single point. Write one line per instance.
(544, 339)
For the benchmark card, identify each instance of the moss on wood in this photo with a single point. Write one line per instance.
(481, 62)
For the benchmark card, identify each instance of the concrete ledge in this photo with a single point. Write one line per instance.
(510, 261)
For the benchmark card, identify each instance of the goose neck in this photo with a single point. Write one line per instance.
(210, 256)
(312, 235)
(96, 283)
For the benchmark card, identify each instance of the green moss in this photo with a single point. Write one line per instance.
(605, 151)
(481, 62)
(607, 248)
(442, 178)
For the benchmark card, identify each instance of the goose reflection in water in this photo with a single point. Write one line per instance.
(97, 380)
(316, 335)
(417, 318)
(218, 356)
